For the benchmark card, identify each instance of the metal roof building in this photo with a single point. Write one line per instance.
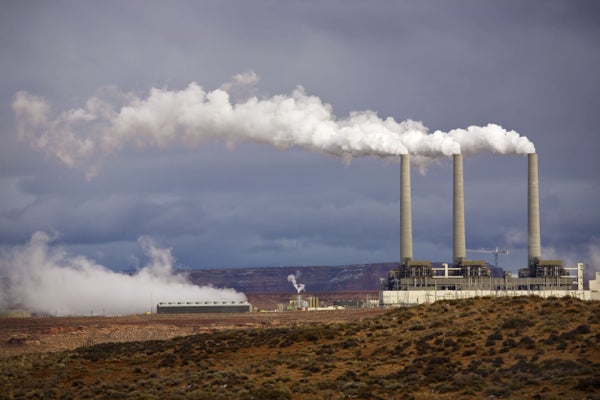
(191, 307)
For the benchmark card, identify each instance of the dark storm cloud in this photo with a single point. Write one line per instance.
(529, 66)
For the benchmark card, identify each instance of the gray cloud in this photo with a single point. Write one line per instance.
(527, 66)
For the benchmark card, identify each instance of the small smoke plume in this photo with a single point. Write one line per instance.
(46, 279)
(590, 257)
(84, 136)
(248, 78)
(292, 278)
(515, 238)
(592, 260)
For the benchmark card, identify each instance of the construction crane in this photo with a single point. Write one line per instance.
(495, 252)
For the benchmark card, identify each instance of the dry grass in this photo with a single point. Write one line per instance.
(510, 348)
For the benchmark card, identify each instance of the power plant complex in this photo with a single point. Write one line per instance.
(421, 281)
(417, 281)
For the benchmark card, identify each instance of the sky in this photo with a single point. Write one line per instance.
(106, 140)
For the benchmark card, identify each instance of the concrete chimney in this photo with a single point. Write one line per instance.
(458, 216)
(533, 211)
(406, 246)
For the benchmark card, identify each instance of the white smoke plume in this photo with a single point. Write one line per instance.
(84, 136)
(592, 260)
(590, 257)
(46, 279)
(247, 78)
(292, 278)
(515, 238)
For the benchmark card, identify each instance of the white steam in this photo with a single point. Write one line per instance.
(104, 125)
(589, 254)
(592, 260)
(42, 278)
(299, 286)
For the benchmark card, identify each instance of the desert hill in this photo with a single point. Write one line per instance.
(318, 279)
(529, 348)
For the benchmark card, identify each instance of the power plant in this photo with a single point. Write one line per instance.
(417, 281)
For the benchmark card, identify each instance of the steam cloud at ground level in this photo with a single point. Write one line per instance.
(45, 279)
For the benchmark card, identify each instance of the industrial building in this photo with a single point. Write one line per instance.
(417, 281)
(203, 307)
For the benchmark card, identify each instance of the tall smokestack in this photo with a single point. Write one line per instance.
(458, 216)
(406, 247)
(533, 211)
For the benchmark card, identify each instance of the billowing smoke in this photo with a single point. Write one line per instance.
(45, 279)
(106, 124)
(292, 278)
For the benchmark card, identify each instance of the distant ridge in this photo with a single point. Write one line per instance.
(340, 278)
(318, 279)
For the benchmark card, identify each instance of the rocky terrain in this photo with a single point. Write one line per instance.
(518, 348)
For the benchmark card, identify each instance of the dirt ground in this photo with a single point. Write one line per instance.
(49, 334)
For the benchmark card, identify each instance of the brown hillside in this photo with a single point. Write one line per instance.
(318, 279)
(477, 348)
